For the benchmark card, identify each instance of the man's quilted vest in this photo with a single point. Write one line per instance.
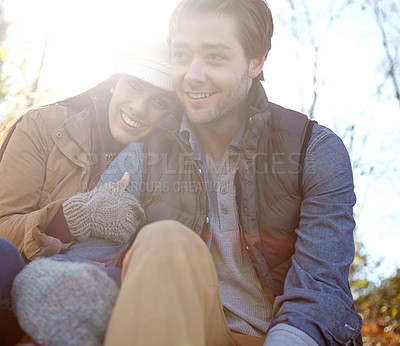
(267, 188)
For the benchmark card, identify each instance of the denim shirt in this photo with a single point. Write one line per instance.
(316, 299)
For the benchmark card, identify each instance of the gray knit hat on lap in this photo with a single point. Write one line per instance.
(63, 303)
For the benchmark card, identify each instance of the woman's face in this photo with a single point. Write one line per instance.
(135, 107)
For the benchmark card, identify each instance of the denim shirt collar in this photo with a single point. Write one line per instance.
(189, 137)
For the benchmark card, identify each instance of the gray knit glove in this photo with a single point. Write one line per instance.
(63, 303)
(107, 212)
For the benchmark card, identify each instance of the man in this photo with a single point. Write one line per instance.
(248, 182)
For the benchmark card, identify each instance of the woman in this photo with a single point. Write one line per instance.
(59, 150)
(55, 151)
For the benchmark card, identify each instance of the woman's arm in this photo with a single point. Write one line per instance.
(22, 175)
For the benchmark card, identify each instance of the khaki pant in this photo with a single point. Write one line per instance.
(169, 293)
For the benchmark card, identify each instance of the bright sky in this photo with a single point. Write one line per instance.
(85, 35)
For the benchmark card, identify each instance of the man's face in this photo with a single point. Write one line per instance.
(211, 74)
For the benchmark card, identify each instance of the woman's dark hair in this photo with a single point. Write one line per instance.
(100, 90)
(78, 101)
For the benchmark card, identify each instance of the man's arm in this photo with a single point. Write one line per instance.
(129, 160)
(317, 299)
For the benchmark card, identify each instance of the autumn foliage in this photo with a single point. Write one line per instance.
(380, 309)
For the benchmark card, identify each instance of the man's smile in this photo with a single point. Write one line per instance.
(199, 95)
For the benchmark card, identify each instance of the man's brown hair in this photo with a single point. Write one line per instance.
(254, 19)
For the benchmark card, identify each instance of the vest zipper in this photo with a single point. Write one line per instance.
(198, 172)
(242, 237)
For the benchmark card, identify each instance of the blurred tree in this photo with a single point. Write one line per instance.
(304, 20)
(24, 93)
(3, 56)
(380, 308)
(362, 266)
(387, 16)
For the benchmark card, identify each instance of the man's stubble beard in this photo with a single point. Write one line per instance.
(227, 107)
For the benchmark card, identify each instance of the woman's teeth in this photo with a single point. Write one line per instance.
(130, 122)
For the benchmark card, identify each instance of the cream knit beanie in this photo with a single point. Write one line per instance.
(148, 61)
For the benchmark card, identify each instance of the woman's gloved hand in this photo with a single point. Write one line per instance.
(107, 212)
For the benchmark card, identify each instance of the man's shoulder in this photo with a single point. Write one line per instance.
(280, 112)
(286, 120)
(295, 123)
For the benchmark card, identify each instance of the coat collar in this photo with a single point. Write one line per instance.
(78, 126)
(72, 137)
